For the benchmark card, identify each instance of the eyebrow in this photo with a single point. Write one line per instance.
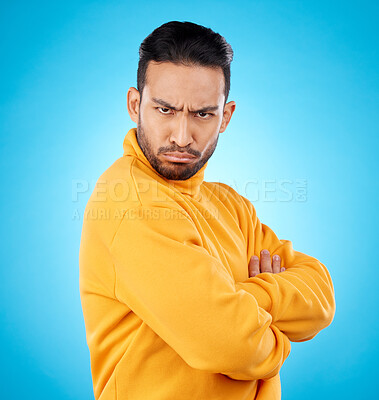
(167, 105)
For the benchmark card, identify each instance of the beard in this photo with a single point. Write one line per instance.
(173, 171)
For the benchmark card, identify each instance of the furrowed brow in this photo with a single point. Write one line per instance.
(167, 105)
(206, 109)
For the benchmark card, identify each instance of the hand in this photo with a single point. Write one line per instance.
(265, 265)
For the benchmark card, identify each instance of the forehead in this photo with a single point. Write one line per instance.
(179, 83)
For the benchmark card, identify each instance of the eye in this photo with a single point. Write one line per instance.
(204, 113)
(164, 110)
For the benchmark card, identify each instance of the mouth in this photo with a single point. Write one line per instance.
(179, 157)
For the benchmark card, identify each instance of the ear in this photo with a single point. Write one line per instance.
(133, 101)
(228, 112)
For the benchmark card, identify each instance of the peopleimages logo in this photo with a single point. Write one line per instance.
(272, 190)
(104, 193)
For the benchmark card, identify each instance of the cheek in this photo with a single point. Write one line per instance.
(154, 134)
(157, 124)
(149, 116)
(209, 145)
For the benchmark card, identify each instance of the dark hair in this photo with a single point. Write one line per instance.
(186, 43)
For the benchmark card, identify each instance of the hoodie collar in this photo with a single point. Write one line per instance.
(189, 186)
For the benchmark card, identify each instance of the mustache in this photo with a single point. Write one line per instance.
(179, 150)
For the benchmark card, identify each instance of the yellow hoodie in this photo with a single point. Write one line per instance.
(170, 311)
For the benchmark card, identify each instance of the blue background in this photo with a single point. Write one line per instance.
(305, 80)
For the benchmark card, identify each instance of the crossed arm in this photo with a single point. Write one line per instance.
(296, 289)
(187, 297)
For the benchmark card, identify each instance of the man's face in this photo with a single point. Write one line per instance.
(180, 117)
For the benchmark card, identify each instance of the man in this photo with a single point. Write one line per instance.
(180, 296)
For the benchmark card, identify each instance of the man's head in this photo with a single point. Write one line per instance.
(180, 106)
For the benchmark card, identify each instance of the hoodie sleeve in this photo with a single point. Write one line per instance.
(301, 299)
(166, 276)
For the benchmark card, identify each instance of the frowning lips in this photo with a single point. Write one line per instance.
(177, 156)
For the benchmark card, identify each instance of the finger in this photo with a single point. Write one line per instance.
(253, 266)
(265, 261)
(276, 264)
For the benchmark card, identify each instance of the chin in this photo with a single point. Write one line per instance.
(178, 171)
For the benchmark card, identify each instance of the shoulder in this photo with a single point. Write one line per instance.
(125, 184)
(114, 193)
(111, 184)
(123, 191)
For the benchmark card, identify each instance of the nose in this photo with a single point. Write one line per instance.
(181, 132)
